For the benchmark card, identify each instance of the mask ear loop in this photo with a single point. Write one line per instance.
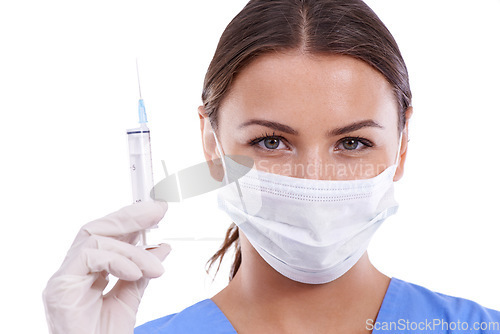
(399, 149)
(222, 158)
(226, 178)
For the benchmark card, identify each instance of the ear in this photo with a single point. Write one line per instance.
(404, 146)
(209, 147)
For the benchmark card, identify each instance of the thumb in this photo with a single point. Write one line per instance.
(161, 252)
(130, 292)
(129, 219)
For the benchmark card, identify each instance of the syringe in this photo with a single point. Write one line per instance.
(141, 169)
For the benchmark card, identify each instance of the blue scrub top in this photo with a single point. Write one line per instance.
(406, 308)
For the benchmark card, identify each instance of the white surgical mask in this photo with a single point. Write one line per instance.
(311, 231)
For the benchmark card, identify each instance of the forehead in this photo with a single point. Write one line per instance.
(306, 89)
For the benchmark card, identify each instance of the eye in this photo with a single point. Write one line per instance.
(269, 142)
(350, 144)
(353, 144)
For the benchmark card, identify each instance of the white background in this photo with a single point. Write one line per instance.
(69, 90)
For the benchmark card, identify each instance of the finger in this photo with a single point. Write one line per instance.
(99, 253)
(146, 261)
(95, 261)
(129, 219)
(130, 293)
(161, 252)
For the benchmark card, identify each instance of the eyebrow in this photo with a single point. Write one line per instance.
(334, 132)
(353, 127)
(270, 124)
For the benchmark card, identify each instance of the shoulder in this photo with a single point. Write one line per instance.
(410, 304)
(202, 317)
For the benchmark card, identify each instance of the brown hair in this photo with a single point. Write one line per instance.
(345, 27)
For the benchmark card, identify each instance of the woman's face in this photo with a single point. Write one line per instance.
(326, 117)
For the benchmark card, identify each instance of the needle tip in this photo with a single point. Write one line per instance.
(138, 79)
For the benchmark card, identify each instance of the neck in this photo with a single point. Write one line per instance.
(266, 293)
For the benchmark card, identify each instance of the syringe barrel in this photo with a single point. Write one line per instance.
(141, 168)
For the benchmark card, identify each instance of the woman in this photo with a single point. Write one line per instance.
(316, 94)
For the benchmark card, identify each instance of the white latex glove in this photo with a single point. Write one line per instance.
(74, 300)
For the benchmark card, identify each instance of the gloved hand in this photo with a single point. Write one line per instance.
(74, 300)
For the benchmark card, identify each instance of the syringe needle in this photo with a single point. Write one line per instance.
(142, 109)
(138, 79)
